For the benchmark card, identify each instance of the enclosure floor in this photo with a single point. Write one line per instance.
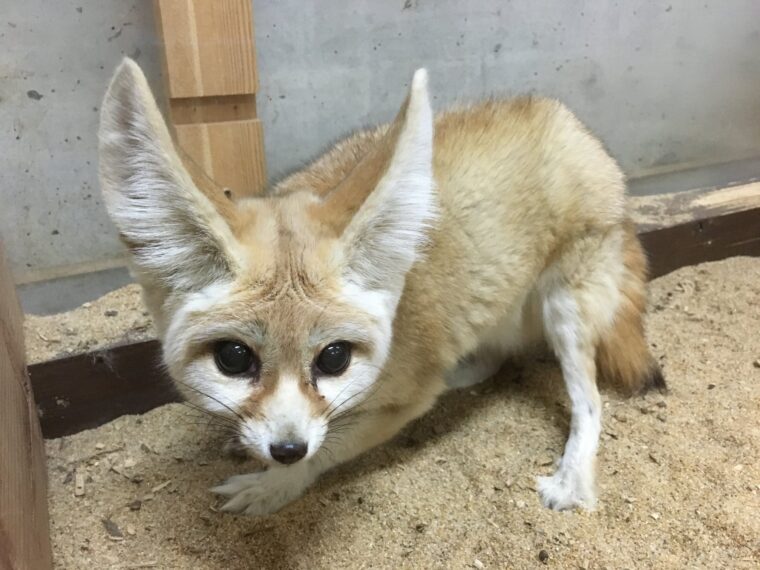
(679, 475)
(116, 317)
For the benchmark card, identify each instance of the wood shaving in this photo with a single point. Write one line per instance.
(707, 508)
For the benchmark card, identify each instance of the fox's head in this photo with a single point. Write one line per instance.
(276, 311)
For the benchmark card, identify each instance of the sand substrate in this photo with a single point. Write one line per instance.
(679, 475)
(116, 317)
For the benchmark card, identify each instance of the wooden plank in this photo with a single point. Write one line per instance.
(667, 210)
(705, 239)
(699, 225)
(209, 47)
(84, 391)
(218, 148)
(24, 530)
(211, 78)
(213, 109)
(87, 390)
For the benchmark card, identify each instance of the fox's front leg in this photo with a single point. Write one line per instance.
(268, 491)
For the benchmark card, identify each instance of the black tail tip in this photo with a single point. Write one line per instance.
(655, 380)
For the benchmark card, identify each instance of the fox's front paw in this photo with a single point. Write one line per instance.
(263, 493)
(567, 489)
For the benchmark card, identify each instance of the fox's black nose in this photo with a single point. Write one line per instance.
(288, 452)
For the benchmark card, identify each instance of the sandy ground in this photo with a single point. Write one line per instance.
(679, 475)
(114, 318)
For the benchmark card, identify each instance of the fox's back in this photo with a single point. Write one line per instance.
(517, 180)
(527, 162)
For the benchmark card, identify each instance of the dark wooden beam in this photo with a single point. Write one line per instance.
(692, 227)
(709, 239)
(87, 390)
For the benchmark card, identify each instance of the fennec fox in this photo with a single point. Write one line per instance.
(323, 317)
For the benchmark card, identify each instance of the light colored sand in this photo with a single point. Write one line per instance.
(116, 317)
(679, 476)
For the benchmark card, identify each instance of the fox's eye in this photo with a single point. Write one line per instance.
(234, 358)
(334, 358)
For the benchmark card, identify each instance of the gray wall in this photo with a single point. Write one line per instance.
(670, 87)
(55, 60)
(667, 85)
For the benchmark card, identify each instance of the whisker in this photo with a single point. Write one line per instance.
(329, 406)
(215, 399)
(198, 408)
(334, 416)
(210, 420)
(211, 415)
(374, 387)
(209, 428)
(340, 420)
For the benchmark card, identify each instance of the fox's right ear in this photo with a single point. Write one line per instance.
(176, 235)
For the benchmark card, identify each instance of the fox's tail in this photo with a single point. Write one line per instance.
(622, 356)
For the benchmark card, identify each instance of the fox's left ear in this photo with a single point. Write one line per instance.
(385, 234)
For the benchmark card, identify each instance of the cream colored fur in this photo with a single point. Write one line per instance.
(436, 246)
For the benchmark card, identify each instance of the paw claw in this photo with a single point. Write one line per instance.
(236, 484)
(263, 493)
(223, 490)
(240, 503)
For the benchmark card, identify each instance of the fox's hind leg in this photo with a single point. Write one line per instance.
(572, 485)
(581, 296)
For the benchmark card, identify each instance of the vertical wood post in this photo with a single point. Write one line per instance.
(24, 530)
(211, 80)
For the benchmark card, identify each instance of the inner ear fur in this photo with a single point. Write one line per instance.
(385, 206)
(175, 233)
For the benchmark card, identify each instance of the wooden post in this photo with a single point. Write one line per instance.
(211, 79)
(24, 530)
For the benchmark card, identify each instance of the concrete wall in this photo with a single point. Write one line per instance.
(55, 61)
(670, 87)
(665, 84)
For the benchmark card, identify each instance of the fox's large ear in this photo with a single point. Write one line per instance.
(176, 235)
(384, 236)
